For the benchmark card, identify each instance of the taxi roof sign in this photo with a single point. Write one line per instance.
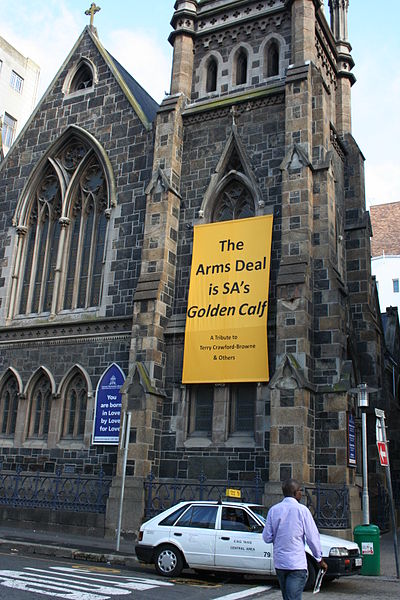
(232, 493)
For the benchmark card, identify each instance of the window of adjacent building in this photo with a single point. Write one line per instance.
(40, 405)
(273, 59)
(62, 270)
(8, 406)
(9, 129)
(75, 402)
(241, 67)
(16, 82)
(396, 286)
(212, 70)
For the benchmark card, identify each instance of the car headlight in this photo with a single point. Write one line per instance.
(338, 552)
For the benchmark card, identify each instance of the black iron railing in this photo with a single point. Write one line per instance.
(330, 506)
(59, 491)
(162, 493)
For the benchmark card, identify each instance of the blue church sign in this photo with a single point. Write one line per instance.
(107, 415)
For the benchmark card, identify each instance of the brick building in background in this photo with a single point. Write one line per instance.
(385, 252)
(99, 200)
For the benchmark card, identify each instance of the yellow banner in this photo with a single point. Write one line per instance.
(226, 320)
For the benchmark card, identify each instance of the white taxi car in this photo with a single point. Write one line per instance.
(226, 536)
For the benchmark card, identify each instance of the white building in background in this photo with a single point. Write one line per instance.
(385, 252)
(19, 78)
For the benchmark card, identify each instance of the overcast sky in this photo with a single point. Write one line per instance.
(136, 33)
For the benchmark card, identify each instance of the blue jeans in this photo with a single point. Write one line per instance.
(292, 583)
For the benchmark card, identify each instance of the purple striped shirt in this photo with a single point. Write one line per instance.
(289, 526)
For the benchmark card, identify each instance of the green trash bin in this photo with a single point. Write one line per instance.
(367, 538)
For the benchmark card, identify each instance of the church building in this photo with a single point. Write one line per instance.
(108, 200)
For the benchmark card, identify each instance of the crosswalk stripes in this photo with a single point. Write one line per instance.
(75, 584)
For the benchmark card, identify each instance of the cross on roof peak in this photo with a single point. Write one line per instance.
(92, 11)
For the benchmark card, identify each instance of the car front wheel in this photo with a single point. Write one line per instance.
(168, 561)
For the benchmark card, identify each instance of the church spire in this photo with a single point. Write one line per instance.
(339, 10)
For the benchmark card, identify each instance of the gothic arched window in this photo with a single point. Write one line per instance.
(62, 235)
(40, 406)
(241, 67)
(87, 239)
(8, 406)
(235, 202)
(212, 71)
(42, 245)
(82, 79)
(75, 402)
(272, 59)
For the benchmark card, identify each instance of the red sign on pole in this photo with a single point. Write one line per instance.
(383, 454)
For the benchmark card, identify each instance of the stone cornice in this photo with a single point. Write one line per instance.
(211, 20)
(67, 332)
(221, 106)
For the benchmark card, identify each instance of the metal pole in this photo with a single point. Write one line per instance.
(365, 497)
(390, 490)
(126, 427)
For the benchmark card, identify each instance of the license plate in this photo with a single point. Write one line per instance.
(358, 562)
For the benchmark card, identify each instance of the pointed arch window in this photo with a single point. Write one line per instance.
(241, 67)
(42, 243)
(8, 406)
(40, 406)
(235, 202)
(87, 240)
(60, 257)
(83, 78)
(272, 59)
(75, 403)
(212, 71)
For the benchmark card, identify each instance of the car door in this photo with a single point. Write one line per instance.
(195, 533)
(239, 545)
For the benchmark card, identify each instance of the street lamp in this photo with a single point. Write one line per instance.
(363, 391)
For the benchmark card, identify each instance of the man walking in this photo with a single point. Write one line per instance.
(289, 526)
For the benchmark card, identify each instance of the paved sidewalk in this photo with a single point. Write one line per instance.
(103, 550)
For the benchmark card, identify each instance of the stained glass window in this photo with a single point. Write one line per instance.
(73, 195)
(235, 202)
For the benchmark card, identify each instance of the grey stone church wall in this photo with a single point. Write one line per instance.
(91, 340)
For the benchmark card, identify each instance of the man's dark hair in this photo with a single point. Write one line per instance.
(290, 487)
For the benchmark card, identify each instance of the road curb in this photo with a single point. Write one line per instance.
(72, 553)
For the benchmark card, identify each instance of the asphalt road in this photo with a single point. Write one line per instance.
(35, 578)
